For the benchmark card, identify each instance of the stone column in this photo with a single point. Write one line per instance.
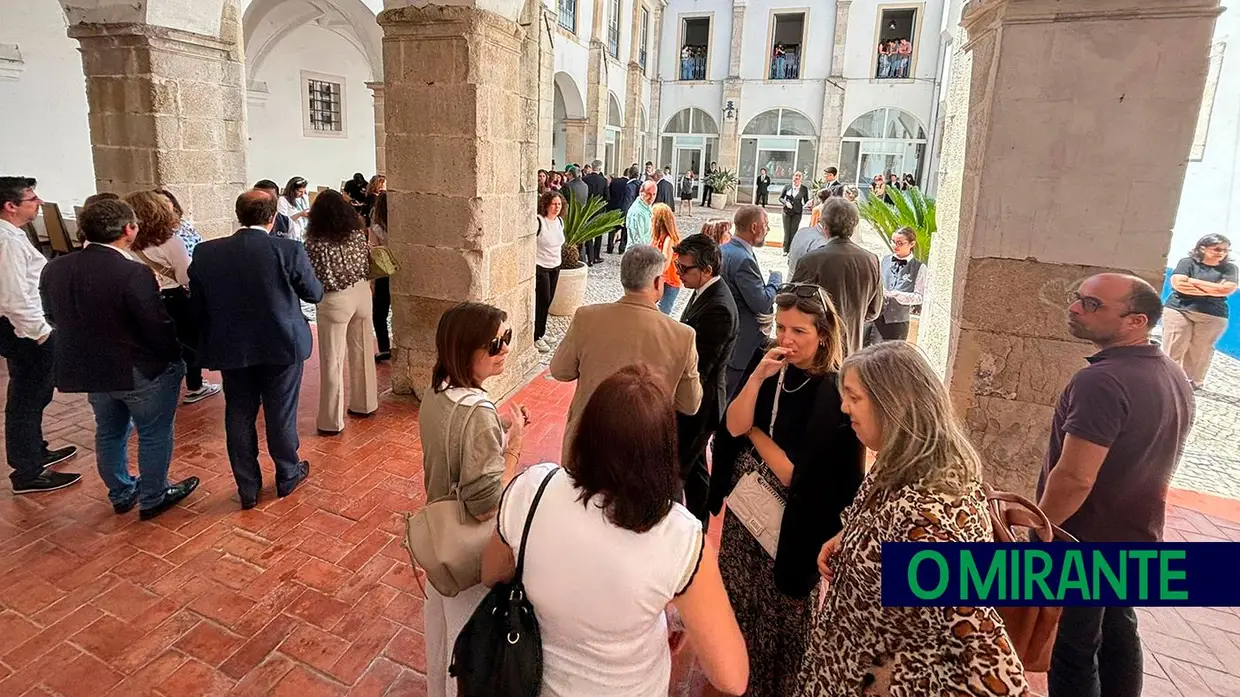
(537, 87)
(168, 108)
(729, 128)
(654, 127)
(1047, 98)
(376, 89)
(459, 184)
(575, 142)
(631, 140)
(830, 137)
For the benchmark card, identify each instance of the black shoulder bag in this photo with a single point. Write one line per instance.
(499, 651)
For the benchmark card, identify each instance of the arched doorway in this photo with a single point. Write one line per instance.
(690, 141)
(781, 140)
(611, 136)
(883, 141)
(567, 104)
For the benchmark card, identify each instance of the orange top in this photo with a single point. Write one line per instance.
(670, 275)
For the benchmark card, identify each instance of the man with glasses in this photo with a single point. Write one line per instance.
(1116, 436)
(712, 314)
(26, 344)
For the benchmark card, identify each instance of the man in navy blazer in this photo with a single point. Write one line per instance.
(247, 289)
(753, 297)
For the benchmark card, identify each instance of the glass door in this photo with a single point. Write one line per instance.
(687, 159)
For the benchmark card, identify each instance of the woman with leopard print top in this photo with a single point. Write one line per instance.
(925, 486)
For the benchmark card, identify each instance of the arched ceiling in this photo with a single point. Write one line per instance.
(266, 22)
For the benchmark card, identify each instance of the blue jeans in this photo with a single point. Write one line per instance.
(1097, 653)
(669, 299)
(151, 407)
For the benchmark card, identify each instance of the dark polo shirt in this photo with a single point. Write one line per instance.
(1139, 403)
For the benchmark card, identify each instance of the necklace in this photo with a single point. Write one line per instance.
(790, 391)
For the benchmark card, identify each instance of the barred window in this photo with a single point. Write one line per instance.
(567, 14)
(644, 28)
(325, 108)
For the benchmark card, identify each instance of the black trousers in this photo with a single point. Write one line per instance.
(545, 281)
(791, 221)
(176, 302)
(693, 471)
(1097, 653)
(762, 195)
(381, 304)
(623, 232)
(885, 331)
(595, 248)
(707, 192)
(276, 388)
(30, 391)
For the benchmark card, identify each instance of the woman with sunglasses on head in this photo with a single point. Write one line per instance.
(665, 237)
(1196, 313)
(925, 486)
(468, 447)
(339, 251)
(786, 425)
(294, 204)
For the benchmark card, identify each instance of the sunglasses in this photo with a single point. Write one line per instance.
(682, 269)
(803, 290)
(498, 343)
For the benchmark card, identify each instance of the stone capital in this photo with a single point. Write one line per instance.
(508, 9)
(132, 34)
(376, 89)
(447, 21)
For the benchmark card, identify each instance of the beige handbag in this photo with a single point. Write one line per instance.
(443, 538)
(753, 501)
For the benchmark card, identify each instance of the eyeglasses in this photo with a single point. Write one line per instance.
(28, 200)
(682, 269)
(498, 343)
(803, 290)
(1089, 304)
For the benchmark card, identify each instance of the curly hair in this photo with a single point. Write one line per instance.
(332, 219)
(544, 202)
(377, 184)
(716, 229)
(157, 220)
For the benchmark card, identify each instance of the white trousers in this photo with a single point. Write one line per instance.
(445, 617)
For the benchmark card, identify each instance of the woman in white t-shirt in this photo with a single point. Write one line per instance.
(609, 549)
(294, 204)
(547, 262)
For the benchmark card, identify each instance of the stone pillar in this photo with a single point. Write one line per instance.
(830, 138)
(458, 181)
(168, 108)
(537, 88)
(1047, 98)
(630, 142)
(575, 142)
(596, 104)
(654, 127)
(729, 128)
(376, 89)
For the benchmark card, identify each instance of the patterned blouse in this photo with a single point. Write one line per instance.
(909, 651)
(188, 235)
(339, 265)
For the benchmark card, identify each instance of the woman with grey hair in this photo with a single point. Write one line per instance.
(925, 485)
(837, 219)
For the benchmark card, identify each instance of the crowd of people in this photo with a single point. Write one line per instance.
(786, 385)
(895, 58)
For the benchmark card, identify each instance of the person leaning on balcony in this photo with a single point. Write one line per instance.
(1196, 313)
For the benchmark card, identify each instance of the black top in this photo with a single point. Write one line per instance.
(1206, 305)
(356, 191)
(665, 193)
(616, 192)
(596, 184)
(796, 198)
(713, 316)
(109, 319)
(828, 466)
(764, 183)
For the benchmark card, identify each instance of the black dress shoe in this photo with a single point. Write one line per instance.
(247, 504)
(383, 356)
(123, 508)
(287, 489)
(172, 496)
(59, 455)
(325, 432)
(46, 481)
(360, 414)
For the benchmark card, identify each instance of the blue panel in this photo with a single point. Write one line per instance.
(1230, 341)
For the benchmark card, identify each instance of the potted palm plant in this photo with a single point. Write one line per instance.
(721, 184)
(910, 209)
(582, 223)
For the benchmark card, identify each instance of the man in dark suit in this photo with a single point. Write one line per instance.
(847, 271)
(115, 341)
(618, 200)
(712, 314)
(248, 290)
(666, 193)
(755, 299)
(596, 184)
(282, 225)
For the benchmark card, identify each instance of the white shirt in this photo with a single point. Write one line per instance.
(698, 293)
(919, 286)
(550, 240)
(170, 254)
(297, 227)
(21, 265)
(599, 590)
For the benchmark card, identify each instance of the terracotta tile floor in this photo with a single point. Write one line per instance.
(313, 595)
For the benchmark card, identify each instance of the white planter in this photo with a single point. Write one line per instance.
(718, 201)
(570, 291)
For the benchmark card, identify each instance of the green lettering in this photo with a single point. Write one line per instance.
(915, 586)
(1143, 557)
(969, 576)
(1166, 575)
(1014, 592)
(1073, 575)
(1119, 583)
(1037, 576)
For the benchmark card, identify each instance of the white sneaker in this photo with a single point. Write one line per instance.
(208, 389)
(542, 346)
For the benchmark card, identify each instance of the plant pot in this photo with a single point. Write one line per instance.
(570, 291)
(718, 201)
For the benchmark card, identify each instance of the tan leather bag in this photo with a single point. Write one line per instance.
(1031, 629)
(443, 538)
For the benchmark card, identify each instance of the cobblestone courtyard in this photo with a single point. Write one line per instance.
(1211, 462)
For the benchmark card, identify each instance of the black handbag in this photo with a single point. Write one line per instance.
(499, 651)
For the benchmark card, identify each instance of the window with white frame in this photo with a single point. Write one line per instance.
(323, 100)
(567, 15)
(895, 55)
(613, 30)
(695, 47)
(644, 28)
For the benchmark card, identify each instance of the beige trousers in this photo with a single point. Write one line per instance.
(344, 319)
(1189, 338)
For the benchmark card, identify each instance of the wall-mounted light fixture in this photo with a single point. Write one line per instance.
(729, 111)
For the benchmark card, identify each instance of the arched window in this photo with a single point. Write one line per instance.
(611, 136)
(690, 141)
(883, 141)
(783, 142)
